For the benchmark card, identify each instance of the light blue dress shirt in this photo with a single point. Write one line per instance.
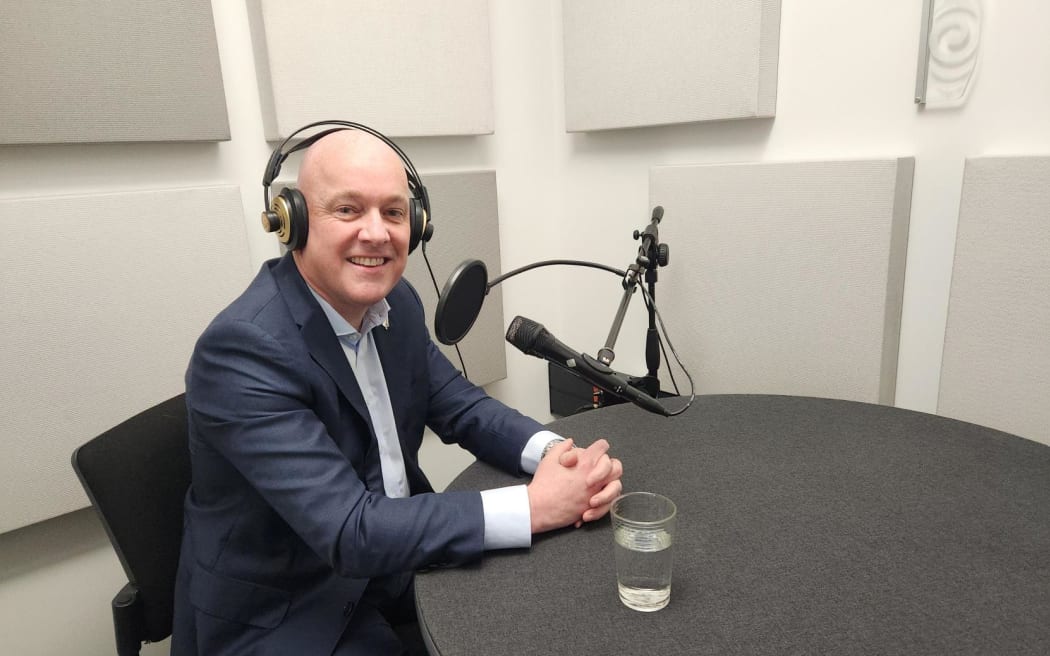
(508, 523)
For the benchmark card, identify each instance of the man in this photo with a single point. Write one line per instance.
(307, 399)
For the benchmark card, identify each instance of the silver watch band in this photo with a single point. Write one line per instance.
(550, 445)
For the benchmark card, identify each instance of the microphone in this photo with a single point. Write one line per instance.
(531, 338)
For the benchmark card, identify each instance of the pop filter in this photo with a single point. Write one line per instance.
(460, 301)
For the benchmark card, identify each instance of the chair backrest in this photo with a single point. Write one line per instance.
(136, 475)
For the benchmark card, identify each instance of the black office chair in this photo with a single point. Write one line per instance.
(136, 475)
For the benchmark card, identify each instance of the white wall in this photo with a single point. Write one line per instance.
(845, 90)
(846, 81)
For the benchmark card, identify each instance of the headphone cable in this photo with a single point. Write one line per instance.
(430, 270)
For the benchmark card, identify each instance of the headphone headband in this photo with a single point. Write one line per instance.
(273, 167)
(281, 217)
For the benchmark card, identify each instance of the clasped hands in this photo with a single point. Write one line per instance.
(573, 486)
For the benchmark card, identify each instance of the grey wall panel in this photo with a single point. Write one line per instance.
(996, 365)
(121, 70)
(466, 221)
(103, 297)
(632, 62)
(406, 68)
(786, 278)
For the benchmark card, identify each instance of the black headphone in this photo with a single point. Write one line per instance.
(287, 214)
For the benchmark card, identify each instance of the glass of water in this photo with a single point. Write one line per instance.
(643, 530)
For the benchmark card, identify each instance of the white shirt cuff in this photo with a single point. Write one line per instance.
(533, 451)
(508, 523)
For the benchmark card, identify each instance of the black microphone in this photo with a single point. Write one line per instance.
(533, 339)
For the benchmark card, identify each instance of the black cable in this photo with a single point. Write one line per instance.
(649, 302)
(663, 328)
(670, 372)
(430, 270)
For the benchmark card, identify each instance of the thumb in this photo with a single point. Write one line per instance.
(560, 448)
(569, 458)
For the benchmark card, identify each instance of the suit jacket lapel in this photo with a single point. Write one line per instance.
(325, 349)
(317, 333)
(397, 383)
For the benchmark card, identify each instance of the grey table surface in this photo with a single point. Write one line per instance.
(805, 526)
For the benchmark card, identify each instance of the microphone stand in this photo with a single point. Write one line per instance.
(468, 286)
(651, 254)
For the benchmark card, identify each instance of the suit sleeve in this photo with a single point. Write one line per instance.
(251, 403)
(462, 413)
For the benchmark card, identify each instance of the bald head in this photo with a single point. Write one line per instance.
(326, 161)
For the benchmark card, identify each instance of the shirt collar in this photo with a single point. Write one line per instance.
(377, 315)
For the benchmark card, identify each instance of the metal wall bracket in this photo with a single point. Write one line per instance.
(922, 74)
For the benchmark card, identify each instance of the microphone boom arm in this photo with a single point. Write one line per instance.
(630, 282)
(543, 263)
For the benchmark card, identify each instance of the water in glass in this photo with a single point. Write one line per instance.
(643, 565)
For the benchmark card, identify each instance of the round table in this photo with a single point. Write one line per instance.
(805, 526)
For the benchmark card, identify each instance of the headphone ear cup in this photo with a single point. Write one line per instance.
(421, 228)
(298, 218)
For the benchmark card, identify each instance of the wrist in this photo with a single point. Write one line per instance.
(550, 445)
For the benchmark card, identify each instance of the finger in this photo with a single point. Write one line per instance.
(592, 514)
(615, 472)
(607, 495)
(599, 447)
(601, 472)
(595, 451)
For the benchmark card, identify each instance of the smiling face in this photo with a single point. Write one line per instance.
(357, 196)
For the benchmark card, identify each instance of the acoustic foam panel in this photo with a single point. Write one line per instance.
(996, 365)
(122, 70)
(631, 63)
(466, 226)
(786, 278)
(103, 297)
(405, 67)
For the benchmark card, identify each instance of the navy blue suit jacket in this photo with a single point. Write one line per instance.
(286, 519)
